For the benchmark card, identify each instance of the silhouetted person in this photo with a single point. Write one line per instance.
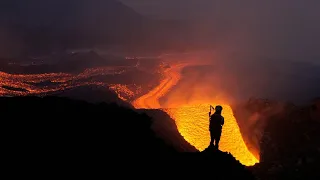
(215, 126)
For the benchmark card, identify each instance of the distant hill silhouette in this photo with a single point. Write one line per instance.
(68, 63)
(75, 63)
(36, 26)
(92, 94)
(53, 131)
(70, 21)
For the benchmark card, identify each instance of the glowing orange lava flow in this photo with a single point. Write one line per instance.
(150, 100)
(192, 120)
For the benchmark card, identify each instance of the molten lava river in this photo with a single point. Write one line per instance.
(193, 120)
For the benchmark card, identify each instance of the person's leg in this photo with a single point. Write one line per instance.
(211, 138)
(217, 139)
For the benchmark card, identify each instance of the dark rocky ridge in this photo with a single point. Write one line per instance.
(290, 144)
(52, 131)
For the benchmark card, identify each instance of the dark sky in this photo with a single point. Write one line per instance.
(180, 9)
(205, 8)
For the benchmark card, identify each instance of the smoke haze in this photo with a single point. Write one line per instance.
(286, 29)
(257, 48)
(267, 49)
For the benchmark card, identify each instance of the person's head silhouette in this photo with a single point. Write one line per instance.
(218, 109)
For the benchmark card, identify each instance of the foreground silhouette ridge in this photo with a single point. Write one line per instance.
(214, 163)
(74, 134)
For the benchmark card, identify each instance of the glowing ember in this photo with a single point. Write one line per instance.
(123, 91)
(193, 123)
(57, 81)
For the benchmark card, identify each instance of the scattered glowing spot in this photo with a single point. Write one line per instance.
(63, 81)
(123, 91)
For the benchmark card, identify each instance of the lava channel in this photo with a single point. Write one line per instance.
(193, 121)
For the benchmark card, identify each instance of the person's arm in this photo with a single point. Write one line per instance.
(222, 121)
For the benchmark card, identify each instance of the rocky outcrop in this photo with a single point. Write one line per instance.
(290, 146)
(252, 117)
